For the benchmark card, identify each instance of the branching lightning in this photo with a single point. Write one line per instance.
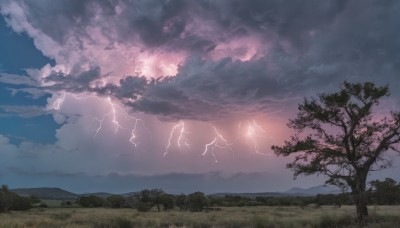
(211, 146)
(113, 113)
(253, 133)
(115, 121)
(214, 143)
(133, 131)
(100, 121)
(181, 139)
(58, 102)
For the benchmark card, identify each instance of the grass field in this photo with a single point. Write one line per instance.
(381, 216)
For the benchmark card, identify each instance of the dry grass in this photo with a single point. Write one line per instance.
(381, 216)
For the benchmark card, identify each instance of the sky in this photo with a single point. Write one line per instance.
(186, 96)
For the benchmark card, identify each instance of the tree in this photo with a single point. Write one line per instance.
(385, 192)
(155, 195)
(167, 200)
(181, 201)
(91, 201)
(6, 198)
(4, 188)
(12, 201)
(341, 135)
(197, 201)
(144, 202)
(115, 201)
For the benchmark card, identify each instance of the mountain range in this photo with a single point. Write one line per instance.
(61, 194)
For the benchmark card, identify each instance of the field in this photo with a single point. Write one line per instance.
(381, 216)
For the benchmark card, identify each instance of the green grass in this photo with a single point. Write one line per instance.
(381, 216)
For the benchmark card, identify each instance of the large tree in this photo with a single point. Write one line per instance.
(344, 136)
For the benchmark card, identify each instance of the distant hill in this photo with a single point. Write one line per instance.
(60, 194)
(313, 191)
(46, 193)
(99, 194)
(320, 189)
(250, 195)
(129, 194)
(106, 194)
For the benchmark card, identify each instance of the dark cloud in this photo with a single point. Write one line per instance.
(301, 48)
(147, 20)
(63, 18)
(75, 81)
(207, 90)
(128, 88)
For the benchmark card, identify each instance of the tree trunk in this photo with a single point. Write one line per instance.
(360, 195)
(361, 204)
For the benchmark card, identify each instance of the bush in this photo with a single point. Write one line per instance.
(12, 201)
(144, 201)
(181, 201)
(167, 201)
(34, 199)
(115, 201)
(197, 201)
(91, 201)
(21, 204)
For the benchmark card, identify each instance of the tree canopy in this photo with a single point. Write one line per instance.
(344, 136)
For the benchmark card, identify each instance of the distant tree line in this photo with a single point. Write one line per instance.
(386, 192)
(380, 192)
(148, 199)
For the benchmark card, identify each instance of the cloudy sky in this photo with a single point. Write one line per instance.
(182, 95)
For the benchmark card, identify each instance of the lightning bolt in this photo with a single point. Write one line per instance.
(180, 128)
(58, 102)
(222, 139)
(208, 146)
(114, 120)
(113, 113)
(133, 132)
(253, 132)
(214, 143)
(100, 121)
(182, 137)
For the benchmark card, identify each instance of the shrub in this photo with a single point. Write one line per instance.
(181, 201)
(12, 201)
(197, 201)
(91, 201)
(115, 201)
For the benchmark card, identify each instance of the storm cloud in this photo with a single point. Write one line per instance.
(226, 56)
